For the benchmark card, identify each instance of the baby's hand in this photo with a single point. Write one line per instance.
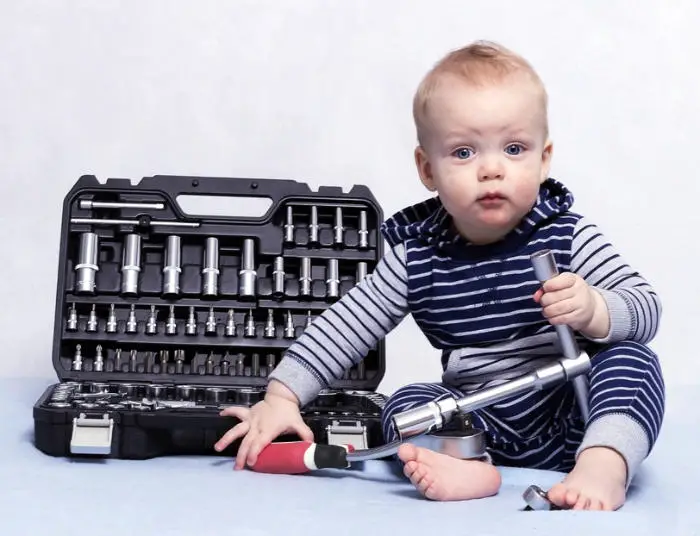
(269, 418)
(568, 299)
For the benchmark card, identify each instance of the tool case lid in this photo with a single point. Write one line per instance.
(120, 267)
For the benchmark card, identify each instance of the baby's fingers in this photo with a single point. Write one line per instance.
(262, 440)
(234, 433)
(240, 412)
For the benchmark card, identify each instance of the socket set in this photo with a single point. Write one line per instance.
(163, 317)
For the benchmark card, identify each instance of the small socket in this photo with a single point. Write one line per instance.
(77, 359)
(99, 359)
(278, 280)
(250, 330)
(361, 271)
(333, 279)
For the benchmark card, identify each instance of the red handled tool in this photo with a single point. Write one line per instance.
(295, 457)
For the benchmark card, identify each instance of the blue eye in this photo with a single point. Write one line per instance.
(463, 153)
(514, 149)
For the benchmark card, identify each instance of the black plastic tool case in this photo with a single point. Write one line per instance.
(163, 317)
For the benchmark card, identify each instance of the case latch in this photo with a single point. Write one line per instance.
(92, 435)
(347, 432)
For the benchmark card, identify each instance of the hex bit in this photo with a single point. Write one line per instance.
(247, 274)
(99, 359)
(250, 330)
(210, 326)
(210, 268)
(77, 358)
(225, 364)
(289, 329)
(361, 271)
(172, 267)
(255, 364)
(118, 360)
(171, 324)
(131, 264)
(87, 266)
(151, 323)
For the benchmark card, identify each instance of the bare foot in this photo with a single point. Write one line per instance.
(440, 477)
(597, 482)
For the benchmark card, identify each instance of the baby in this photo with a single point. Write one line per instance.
(459, 263)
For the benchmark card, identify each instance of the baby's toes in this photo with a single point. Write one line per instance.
(557, 495)
(572, 497)
(409, 469)
(595, 504)
(582, 503)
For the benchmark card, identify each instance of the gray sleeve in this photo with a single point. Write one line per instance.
(634, 306)
(344, 333)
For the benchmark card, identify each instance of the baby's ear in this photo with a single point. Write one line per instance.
(546, 159)
(425, 171)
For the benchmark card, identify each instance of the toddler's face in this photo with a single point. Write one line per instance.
(485, 153)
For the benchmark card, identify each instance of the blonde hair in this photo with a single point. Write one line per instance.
(479, 63)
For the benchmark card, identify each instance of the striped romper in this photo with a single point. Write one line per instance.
(474, 303)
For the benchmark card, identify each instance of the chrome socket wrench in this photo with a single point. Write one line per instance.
(278, 280)
(332, 279)
(305, 277)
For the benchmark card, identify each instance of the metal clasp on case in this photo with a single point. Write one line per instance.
(348, 432)
(92, 435)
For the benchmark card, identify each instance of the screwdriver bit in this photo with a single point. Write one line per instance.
(164, 358)
(131, 322)
(118, 360)
(230, 330)
(255, 364)
(270, 329)
(250, 330)
(92, 320)
(210, 328)
(151, 324)
(225, 364)
(132, 361)
(289, 330)
(99, 359)
(179, 361)
(209, 363)
(171, 325)
(191, 326)
(270, 362)
(77, 358)
(240, 365)
(72, 322)
(308, 319)
(112, 320)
